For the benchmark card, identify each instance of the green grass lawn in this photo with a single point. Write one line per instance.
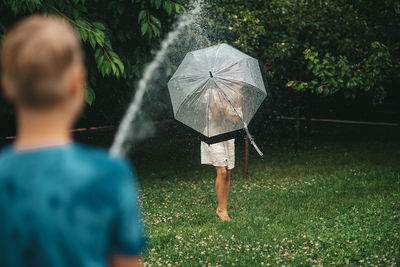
(332, 203)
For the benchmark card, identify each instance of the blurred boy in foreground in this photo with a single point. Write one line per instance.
(61, 203)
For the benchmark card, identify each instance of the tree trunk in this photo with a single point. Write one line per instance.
(246, 157)
(297, 121)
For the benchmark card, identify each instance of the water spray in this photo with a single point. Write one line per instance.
(125, 128)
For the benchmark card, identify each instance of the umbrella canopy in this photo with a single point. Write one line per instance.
(217, 90)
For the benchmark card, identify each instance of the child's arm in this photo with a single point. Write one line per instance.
(125, 261)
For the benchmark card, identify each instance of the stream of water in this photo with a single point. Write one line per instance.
(120, 145)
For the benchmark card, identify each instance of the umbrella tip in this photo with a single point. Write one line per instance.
(211, 74)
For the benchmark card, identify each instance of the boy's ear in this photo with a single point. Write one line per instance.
(78, 82)
(7, 90)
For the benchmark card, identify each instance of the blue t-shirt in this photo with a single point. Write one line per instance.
(67, 206)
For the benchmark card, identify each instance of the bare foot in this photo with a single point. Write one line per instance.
(223, 215)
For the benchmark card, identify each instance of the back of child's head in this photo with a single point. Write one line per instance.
(37, 57)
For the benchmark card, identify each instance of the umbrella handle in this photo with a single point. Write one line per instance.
(257, 149)
(252, 139)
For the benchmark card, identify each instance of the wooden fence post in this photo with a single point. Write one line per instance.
(246, 156)
(297, 121)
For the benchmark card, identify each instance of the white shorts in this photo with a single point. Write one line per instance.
(219, 154)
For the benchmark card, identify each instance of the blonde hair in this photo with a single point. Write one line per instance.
(36, 56)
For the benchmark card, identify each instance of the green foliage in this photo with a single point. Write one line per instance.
(90, 96)
(331, 74)
(279, 31)
(329, 204)
(118, 35)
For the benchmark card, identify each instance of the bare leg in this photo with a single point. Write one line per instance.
(222, 185)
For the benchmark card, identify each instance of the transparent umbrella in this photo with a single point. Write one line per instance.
(217, 90)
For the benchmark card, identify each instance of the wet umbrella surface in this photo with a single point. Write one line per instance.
(217, 90)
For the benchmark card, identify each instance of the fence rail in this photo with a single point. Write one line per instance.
(79, 130)
(341, 121)
(111, 128)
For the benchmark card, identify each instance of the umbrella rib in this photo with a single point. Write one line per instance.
(230, 80)
(237, 81)
(189, 76)
(233, 64)
(215, 60)
(189, 94)
(227, 99)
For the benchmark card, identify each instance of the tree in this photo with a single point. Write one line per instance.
(321, 48)
(310, 48)
(118, 37)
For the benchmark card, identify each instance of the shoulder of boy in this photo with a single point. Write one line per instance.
(5, 151)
